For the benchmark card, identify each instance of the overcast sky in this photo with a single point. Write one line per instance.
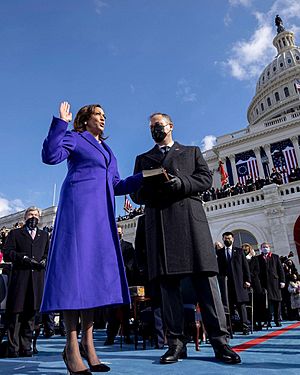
(196, 60)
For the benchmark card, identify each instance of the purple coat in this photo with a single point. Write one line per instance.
(85, 267)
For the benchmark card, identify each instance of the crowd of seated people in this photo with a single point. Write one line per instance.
(228, 190)
(130, 215)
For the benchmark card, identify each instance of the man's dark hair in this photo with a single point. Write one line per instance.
(227, 234)
(164, 115)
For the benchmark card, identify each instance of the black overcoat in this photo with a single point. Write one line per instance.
(130, 262)
(177, 234)
(240, 271)
(18, 244)
(254, 272)
(271, 275)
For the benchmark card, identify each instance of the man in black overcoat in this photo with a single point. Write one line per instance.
(27, 249)
(259, 298)
(233, 264)
(272, 279)
(178, 238)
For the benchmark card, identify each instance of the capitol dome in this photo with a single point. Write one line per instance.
(276, 92)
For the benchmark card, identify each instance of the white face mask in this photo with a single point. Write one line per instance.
(265, 250)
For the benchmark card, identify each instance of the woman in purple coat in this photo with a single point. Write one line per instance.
(85, 267)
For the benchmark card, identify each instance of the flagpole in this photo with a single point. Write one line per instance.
(54, 195)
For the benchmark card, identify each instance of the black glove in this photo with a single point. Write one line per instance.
(174, 185)
(32, 263)
(42, 264)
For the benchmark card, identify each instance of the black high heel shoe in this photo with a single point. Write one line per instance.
(100, 367)
(82, 372)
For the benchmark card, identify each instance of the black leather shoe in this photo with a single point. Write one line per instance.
(278, 324)
(227, 355)
(174, 353)
(99, 367)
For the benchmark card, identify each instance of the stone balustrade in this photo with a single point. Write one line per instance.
(286, 118)
(254, 199)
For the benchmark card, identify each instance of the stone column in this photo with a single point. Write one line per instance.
(267, 149)
(296, 148)
(259, 162)
(275, 216)
(233, 168)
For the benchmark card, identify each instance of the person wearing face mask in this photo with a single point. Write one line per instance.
(272, 279)
(178, 239)
(258, 297)
(233, 265)
(27, 249)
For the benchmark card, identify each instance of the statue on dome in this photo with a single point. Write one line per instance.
(278, 23)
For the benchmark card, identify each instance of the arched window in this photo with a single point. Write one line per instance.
(277, 98)
(269, 102)
(262, 106)
(286, 92)
(241, 236)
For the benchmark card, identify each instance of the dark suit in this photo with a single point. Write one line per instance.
(178, 239)
(26, 285)
(271, 275)
(237, 271)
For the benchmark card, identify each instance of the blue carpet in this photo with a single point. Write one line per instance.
(280, 353)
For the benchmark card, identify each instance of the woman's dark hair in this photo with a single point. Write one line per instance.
(83, 115)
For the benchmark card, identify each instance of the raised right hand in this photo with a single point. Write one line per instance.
(64, 112)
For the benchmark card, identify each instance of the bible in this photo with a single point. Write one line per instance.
(155, 176)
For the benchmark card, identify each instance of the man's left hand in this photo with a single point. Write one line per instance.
(174, 185)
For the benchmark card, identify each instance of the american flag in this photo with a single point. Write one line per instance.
(297, 85)
(284, 157)
(127, 205)
(246, 165)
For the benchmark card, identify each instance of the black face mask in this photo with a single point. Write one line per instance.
(158, 132)
(227, 243)
(32, 222)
